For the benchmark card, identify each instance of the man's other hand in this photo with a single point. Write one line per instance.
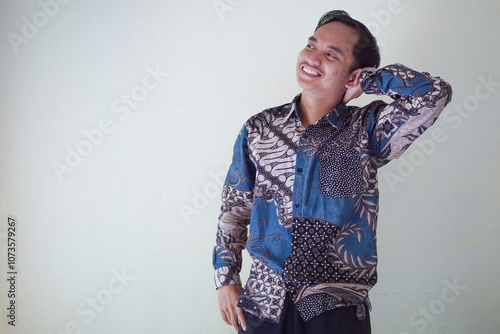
(352, 93)
(228, 296)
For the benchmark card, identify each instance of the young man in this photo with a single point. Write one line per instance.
(301, 193)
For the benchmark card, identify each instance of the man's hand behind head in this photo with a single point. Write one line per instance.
(352, 93)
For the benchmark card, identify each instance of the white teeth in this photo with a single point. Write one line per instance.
(308, 71)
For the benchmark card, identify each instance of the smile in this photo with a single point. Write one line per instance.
(310, 71)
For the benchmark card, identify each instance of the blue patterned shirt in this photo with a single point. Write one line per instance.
(304, 201)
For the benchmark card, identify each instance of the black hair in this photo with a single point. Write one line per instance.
(366, 52)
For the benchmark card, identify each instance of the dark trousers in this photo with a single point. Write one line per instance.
(342, 320)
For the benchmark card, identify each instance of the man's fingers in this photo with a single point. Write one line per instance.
(234, 320)
(224, 317)
(231, 315)
(228, 298)
(241, 316)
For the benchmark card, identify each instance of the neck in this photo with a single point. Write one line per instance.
(312, 108)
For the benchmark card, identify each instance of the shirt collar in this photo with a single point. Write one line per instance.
(336, 117)
(293, 108)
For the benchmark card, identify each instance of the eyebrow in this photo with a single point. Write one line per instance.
(334, 48)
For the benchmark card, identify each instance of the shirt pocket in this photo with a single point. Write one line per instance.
(340, 172)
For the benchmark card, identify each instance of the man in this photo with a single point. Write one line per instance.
(301, 193)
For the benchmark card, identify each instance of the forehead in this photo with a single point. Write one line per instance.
(337, 34)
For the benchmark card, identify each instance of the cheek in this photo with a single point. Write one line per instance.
(301, 57)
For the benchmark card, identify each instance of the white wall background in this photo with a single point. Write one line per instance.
(120, 240)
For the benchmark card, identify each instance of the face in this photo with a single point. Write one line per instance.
(324, 65)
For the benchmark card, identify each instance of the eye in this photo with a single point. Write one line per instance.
(331, 55)
(309, 47)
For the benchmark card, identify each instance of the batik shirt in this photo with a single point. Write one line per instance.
(304, 202)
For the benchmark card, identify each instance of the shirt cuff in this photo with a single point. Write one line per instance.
(226, 276)
(368, 81)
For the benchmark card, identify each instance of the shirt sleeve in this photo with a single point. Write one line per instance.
(418, 97)
(235, 214)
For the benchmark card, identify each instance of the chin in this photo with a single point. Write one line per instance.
(306, 85)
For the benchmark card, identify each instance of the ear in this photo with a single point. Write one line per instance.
(353, 79)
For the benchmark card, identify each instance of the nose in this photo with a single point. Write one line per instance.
(313, 59)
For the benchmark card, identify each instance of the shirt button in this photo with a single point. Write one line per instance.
(297, 205)
(299, 170)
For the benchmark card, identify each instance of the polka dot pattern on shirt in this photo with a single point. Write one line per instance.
(340, 172)
(314, 305)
